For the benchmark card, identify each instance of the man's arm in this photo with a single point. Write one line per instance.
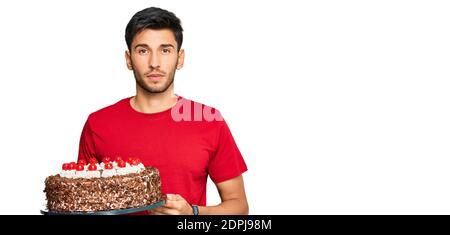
(234, 200)
(232, 193)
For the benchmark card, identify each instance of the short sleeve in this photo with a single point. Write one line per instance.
(227, 161)
(86, 149)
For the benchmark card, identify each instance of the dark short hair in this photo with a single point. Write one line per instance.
(154, 18)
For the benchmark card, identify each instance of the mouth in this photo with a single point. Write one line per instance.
(155, 77)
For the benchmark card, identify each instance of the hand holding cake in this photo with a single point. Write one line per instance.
(175, 205)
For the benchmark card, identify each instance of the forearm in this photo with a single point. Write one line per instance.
(228, 207)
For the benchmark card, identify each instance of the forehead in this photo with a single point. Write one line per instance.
(154, 37)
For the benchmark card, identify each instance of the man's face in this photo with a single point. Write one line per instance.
(154, 59)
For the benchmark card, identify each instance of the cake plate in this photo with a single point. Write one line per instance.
(111, 212)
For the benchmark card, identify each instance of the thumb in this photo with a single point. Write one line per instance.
(173, 197)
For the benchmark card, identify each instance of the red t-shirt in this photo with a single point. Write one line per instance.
(185, 152)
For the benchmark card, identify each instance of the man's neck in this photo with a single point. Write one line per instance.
(153, 102)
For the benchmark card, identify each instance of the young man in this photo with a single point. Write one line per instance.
(185, 140)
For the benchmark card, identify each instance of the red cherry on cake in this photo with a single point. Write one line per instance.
(106, 159)
(82, 162)
(80, 167)
(93, 161)
(118, 159)
(72, 166)
(65, 166)
(108, 166)
(134, 162)
(121, 164)
(92, 167)
(138, 160)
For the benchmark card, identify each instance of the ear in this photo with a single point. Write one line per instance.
(128, 60)
(180, 61)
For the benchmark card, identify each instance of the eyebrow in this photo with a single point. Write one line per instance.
(146, 46)
(167, 45)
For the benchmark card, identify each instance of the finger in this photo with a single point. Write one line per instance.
(177, 205)
(172, 197)
(171, 212)
(169, 204)
(159, 209)
(166, 211)
(175, 197)
(156, 213)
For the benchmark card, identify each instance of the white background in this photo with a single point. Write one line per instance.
(339, 107)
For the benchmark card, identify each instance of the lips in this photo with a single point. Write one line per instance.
(155, 77)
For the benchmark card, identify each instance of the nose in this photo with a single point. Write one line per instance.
(154, 60)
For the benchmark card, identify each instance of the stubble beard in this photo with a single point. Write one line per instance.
(140, 81)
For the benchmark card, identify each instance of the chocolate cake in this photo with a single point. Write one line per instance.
(102, 187)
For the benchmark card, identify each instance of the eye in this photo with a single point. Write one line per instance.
(165, 50)
(142, 51)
